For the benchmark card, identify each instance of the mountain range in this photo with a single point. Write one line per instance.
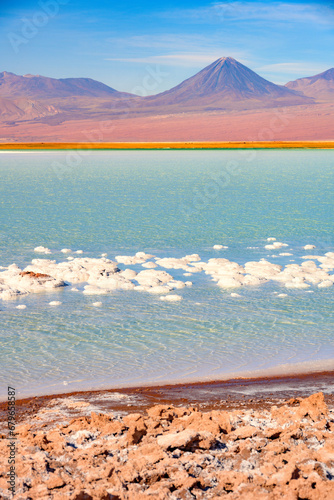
(320, 87)
(225, 86)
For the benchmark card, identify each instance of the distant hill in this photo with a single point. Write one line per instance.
(320, 87)
(22, 108)
(40, 87)
(227, 84)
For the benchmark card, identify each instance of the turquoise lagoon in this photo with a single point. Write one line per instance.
(168, 203)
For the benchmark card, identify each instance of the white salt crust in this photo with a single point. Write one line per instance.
(102, 276)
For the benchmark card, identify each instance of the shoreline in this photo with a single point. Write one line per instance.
(240, 392)
(326, 144)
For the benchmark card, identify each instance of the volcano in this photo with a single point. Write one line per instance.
(227, 84)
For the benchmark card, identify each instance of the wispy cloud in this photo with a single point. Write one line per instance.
(185, 60)
(308, 69)
(259, 11)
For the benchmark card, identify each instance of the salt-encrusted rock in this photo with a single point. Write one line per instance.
(150, 265)
(173, 263)
(55, 303)
(129, 274)
(275, 245)
(171, 298)
(152, 277)
(179, 452)
(313, 407)
(178, 440)
(129, 260)
(309, 247)
(66, 250)
(325, 284)
(42, 249)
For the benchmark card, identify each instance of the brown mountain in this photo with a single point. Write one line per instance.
(22, 108)
(320, 87)
(226, 84)
(36, 86)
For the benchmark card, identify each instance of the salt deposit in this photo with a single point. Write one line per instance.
(42, 250)
(309, 247)
(150, 265)
(103, 276)
(97, 304)
(275, 245)
(21, 306)
(55, 303)
(66, 250)
(171, 298)
(325, 284)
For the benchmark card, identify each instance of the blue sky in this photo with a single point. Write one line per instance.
(145, 48)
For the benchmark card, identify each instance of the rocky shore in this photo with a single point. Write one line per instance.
(174, 452)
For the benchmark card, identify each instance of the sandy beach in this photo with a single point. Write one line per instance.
(245, 438)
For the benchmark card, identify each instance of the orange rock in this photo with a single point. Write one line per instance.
(55, 481)
(313, 407)
(181, 439)
(244, 432)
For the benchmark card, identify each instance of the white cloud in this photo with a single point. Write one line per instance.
(185, 60)
(258, 11)
(294, 68)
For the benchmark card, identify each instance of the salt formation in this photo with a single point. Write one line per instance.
(139, 258)
(275, 245)
(42, 250)
(14, 282)
(171, 298)
(102, 276)
(219, 247)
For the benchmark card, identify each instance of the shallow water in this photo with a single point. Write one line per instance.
(168, 203)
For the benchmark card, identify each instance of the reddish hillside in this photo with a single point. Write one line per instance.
(320, 87)
(37, 86)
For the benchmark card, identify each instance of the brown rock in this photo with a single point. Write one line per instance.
(55, 481)
(31, 274)
(151, 452)
(181, 439)
(313, 407)
(244, 432)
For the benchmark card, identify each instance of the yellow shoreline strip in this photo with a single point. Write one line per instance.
(171, 145)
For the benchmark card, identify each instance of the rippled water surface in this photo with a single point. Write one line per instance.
(168, 203)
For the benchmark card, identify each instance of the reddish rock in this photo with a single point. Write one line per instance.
(313, 407)
(55, 481)
(244, 432)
